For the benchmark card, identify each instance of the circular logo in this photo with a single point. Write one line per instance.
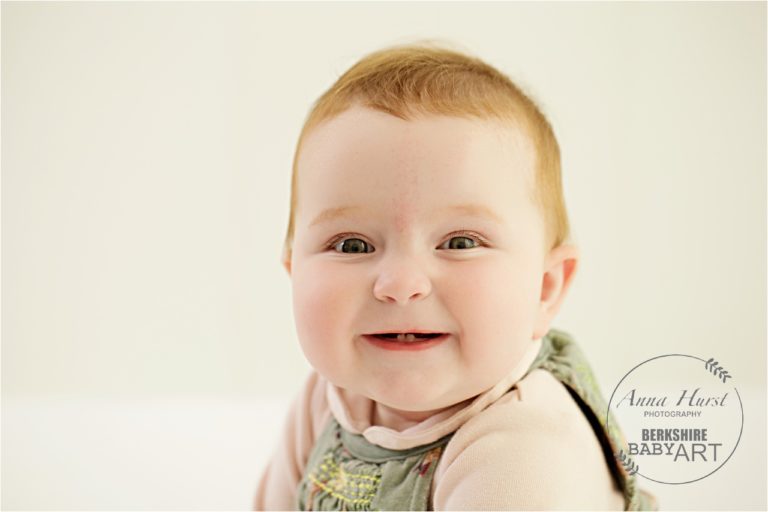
(681, 416)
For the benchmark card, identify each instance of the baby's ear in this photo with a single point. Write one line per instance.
(559, 270)
(286, 260)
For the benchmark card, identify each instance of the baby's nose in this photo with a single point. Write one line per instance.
(402, 285)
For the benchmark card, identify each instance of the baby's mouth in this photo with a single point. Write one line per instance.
(406, 342)
(407, 336)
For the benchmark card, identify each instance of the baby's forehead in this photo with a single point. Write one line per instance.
(359, 132)
(414, 167)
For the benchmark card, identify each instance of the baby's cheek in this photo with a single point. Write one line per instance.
(321, 310)
(494, 302)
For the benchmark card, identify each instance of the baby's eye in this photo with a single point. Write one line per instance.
(459, 242)
(352, 246)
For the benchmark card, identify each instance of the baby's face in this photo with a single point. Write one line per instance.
(406, 226)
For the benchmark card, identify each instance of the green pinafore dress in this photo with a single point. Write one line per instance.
(346, 472)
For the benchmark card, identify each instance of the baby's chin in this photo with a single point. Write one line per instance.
(409, 388)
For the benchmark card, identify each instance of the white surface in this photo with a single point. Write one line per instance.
(172, 454)
(146, 153)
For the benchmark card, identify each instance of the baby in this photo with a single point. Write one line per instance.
(428, 252)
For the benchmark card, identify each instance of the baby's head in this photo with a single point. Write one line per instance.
(426, 198)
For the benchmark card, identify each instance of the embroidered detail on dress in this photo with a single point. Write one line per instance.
(353, 488)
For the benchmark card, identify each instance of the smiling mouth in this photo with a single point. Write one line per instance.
(407, 336)
(406, 341)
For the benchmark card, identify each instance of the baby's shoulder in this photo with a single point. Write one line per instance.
(534, 442)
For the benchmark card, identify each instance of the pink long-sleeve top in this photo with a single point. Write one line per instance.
(524, 444)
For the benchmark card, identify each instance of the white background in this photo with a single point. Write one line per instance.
(148, 348)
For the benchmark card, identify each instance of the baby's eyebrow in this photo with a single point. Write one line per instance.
(473, 210)
(334, 213)
(469, 209)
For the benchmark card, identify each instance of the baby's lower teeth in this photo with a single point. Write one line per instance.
(406, 337)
